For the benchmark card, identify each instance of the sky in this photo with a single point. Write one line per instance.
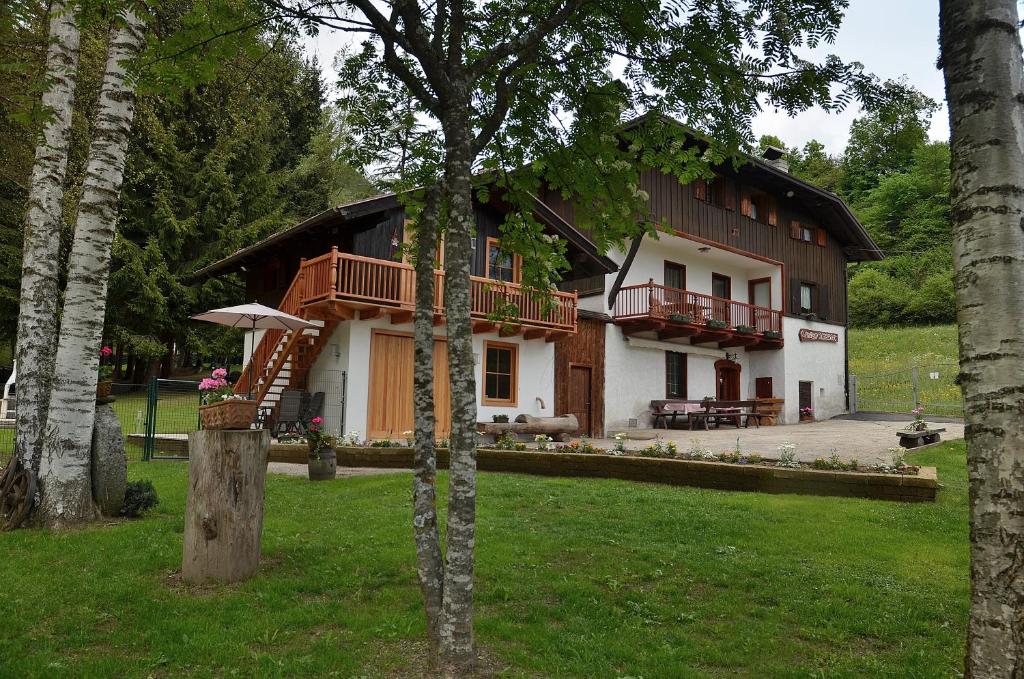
(892, 38)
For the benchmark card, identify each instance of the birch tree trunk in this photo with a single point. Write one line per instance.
(37, 316)
(64, 476)
(984, 72)
(457, 606)
(429, 565)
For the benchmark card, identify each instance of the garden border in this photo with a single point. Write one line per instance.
(718, 475)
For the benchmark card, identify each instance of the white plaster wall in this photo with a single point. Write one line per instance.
(635, 375)
(333, 357)
(535, 385)
(822, 363)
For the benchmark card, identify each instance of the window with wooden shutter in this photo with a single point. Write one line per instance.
(700, 190)
(746, 205)
(820, 237)
(772, 216)
(821, 304)
(794, 229)
(727, 191)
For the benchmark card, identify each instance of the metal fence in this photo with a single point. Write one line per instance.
(934, 387)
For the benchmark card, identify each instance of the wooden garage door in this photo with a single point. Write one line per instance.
(390, 396)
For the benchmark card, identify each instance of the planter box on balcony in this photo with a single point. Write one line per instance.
(680, 318)
(772, 334)
(717, 324)
(745, 329)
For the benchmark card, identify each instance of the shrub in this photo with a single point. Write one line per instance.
(876, 298)
(660, 448)
(580, 446)
(139, 497)
(787, 456)
(384, 443)
(508, 441)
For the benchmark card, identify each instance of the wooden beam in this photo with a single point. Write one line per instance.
(439, 319)
(399, 317)
(765, 344)
(509, 330)
(341, 311)
(708, 335)
(738, 340)
(633, 326)
(674, 331)
(557, 335)
(367, 314)
(480, 327)
(534, 333)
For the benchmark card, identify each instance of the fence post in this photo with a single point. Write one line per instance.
(915, 377)
(147, 443)
(853, 394)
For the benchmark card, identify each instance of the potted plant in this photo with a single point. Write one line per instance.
(323, 460)
(221, 408)
(772, 334)
(104, 381)
(745, 329)
(918, 424)
(717, 324)
(679, 318)
(502, 419)
(807, 414)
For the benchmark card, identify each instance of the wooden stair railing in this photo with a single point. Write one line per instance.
(266, 365)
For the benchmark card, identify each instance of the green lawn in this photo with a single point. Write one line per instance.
(575, 578)
(882, 359)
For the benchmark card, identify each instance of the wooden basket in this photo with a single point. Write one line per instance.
(232, 413)
(103, 388)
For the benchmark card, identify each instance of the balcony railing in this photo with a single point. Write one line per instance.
(346, 278)
(654, 301)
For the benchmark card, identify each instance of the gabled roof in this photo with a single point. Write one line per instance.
(383, 203)
(833, 212)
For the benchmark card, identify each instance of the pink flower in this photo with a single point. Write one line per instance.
(317, 420)
(106, 351)
(220, 372)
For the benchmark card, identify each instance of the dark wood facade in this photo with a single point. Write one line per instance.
(577, 358)
(821, 261)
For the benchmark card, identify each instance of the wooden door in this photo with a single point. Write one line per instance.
(727, 377)
(580, 403)
(763, 388)
(389, 409)
(805, 395)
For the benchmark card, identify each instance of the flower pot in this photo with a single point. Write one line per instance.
(103, 388)
(323, 468)
(232, 413)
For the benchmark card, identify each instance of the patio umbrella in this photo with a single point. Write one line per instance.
(253, 317)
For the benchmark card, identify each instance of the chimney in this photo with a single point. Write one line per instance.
(776, 156)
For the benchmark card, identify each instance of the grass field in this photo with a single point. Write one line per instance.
(575, 578)
(883, 360)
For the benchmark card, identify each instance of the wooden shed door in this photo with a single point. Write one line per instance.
(805, 395)
(580, 404)
(390, 412)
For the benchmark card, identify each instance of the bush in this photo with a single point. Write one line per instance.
(139, 497)
(876, 298)
(934, 301)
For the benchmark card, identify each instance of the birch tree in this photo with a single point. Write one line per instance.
(64, 475)
(984, 73)
(37, 318)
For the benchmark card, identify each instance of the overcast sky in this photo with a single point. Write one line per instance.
(890, 37)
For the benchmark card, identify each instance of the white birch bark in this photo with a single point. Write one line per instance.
(37, 315)
(984, 71)
(65, 480)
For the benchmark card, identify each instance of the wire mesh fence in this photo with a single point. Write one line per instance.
(934, 387)
(156, 419)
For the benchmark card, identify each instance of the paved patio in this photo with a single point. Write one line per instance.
(295, 469)
(865, 441)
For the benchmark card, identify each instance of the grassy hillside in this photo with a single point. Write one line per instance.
(883, 358)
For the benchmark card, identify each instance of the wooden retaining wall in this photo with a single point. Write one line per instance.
(920, 488)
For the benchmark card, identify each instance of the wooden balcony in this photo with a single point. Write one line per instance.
(670, 313)
(342, 286)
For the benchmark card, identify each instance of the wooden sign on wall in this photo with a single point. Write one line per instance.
(808, 335)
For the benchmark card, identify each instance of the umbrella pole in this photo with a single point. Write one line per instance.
(252, 350)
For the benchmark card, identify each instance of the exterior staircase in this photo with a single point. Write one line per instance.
(283, 358)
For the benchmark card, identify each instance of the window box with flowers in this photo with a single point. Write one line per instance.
(104, 375)
(221, 408)
(323, 459)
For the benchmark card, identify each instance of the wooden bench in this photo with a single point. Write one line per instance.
(739, 412)
(915, 439)
(662, 409)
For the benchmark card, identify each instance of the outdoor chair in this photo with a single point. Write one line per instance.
(289, 412)
(313, 408)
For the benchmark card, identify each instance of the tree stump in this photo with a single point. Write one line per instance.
(109, 464)
(227, 472)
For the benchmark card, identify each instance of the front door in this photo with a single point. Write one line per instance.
(580, 403)
(727, 378)
(805, 393)
(389, 410)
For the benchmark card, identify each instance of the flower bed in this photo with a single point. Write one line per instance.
(906, 483)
